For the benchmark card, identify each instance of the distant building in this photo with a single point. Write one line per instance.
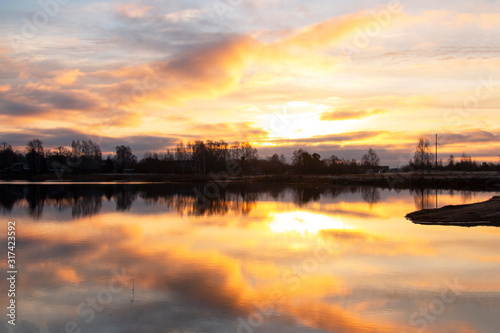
(378, 169)
(383, 169)
(20, 167)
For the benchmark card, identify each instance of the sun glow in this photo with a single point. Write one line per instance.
(298, 120)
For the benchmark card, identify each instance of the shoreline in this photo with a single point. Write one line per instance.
(486, 213)
(460, 181)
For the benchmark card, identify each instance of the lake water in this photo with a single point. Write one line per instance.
(257, 258)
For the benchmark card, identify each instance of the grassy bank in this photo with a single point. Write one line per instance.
(459, 181)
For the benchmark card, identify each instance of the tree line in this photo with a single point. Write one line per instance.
(424, 159)
(203, 157)
(198, 157)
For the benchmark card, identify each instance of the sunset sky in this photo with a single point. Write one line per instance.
(330, 77)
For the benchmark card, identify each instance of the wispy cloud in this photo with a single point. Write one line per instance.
(184, 15)
(133, 10)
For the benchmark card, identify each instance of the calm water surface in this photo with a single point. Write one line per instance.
(153, 258)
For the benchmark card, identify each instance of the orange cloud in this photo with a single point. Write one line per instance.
(123, 119)
(5, 87)
(67, 274)
(489, 20)
(327, 33)
(300, 48)
(241, 130)
(339, 138)
(218, 69)
(66, 78)
(344, 114)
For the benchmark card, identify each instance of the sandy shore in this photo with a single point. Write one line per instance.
(483, 213)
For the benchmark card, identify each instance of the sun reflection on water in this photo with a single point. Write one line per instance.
(304, 223)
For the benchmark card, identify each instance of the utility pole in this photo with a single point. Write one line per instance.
(436, 152)
(436, 169)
